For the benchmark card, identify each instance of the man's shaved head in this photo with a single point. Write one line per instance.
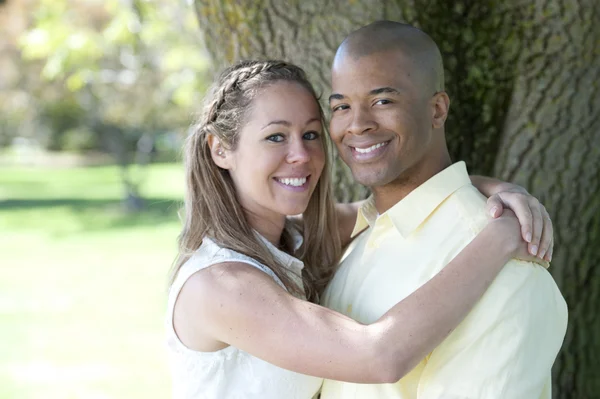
(389, 36)
(388, 108)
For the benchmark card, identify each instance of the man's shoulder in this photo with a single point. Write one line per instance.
(470, 199)
(468, 206)
(522, 292)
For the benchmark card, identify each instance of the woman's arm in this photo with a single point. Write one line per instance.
(536, 225)
(239, 305)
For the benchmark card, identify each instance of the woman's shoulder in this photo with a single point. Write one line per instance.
(214, 256)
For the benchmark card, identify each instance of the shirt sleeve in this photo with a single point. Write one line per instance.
(506, 346)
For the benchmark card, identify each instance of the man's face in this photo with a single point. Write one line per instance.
(381, 122)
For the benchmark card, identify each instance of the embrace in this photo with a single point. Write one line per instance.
(435, 287)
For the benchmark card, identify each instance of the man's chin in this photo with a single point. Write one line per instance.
(370, 178)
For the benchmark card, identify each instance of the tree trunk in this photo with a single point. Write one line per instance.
(523, 77)
(551, 145)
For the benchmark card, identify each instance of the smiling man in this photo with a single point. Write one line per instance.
(388, 113)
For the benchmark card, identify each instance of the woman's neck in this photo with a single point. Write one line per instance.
(269, 228)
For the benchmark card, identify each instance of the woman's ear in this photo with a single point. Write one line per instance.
(218, 152)
(441, 106)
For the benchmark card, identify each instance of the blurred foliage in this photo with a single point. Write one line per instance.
(99, 75)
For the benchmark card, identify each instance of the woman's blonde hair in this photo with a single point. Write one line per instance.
(211, 207)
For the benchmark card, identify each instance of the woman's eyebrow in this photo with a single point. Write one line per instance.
(288, 123)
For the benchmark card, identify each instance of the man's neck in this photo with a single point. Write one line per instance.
(390, 194)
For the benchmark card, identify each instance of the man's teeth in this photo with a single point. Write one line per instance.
(297, 182)
(369, 149)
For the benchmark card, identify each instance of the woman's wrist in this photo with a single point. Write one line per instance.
(502, 235)
(489, 186)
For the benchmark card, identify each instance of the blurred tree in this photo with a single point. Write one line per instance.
(14, 114)
(524, 79)
(123, 72)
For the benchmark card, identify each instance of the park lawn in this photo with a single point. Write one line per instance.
(83, 283)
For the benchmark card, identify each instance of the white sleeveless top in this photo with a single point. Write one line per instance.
(230, 372)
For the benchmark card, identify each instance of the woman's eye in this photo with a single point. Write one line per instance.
(340, 107)
(311, 135)
(275, 138)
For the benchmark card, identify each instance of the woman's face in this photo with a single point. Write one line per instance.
(280, 153)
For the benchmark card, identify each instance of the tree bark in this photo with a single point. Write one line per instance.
(523, 77)
(551, 144)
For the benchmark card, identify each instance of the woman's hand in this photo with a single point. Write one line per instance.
(507, 227)
(536, 226)
(535, 223)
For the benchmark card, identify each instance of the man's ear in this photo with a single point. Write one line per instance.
(441, 106)
(218, 152)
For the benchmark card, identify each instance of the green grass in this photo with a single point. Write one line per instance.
(83, 283)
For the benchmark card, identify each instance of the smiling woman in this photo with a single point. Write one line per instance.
(279, 156)
(262, 128)
(242, 320)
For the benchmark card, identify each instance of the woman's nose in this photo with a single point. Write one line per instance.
(298, 152)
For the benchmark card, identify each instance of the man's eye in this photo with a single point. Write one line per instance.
(383, 101)
(339, 108)
(311, 135)
(275, 138)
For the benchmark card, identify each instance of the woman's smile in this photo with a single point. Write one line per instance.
(298, 184)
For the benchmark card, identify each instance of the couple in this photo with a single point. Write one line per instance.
(427, 301)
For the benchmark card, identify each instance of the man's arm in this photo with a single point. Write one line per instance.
(505, 348)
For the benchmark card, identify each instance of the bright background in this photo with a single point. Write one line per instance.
(95, 99)
(83, 283)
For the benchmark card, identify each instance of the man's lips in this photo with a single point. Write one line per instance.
(368, 151)
(368, 148)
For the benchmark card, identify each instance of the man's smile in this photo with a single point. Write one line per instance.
(366, 152)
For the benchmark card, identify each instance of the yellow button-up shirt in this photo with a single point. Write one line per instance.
(504, 348)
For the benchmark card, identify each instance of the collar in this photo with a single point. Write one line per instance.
(412, 210)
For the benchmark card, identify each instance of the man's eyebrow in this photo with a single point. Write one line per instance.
(336, 96)
(374, 92)
(380, 90)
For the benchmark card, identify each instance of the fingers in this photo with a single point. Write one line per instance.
(535, 259)
(494, 206)
(520, 205)
(547, 239)
(551, 251)
(524, 254)
(538, 225)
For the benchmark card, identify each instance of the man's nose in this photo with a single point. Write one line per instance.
(362, 121)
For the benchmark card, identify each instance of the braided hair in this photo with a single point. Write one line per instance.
(211, 208)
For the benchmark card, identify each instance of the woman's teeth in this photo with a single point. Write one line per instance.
(369, 149)
(297, 182)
